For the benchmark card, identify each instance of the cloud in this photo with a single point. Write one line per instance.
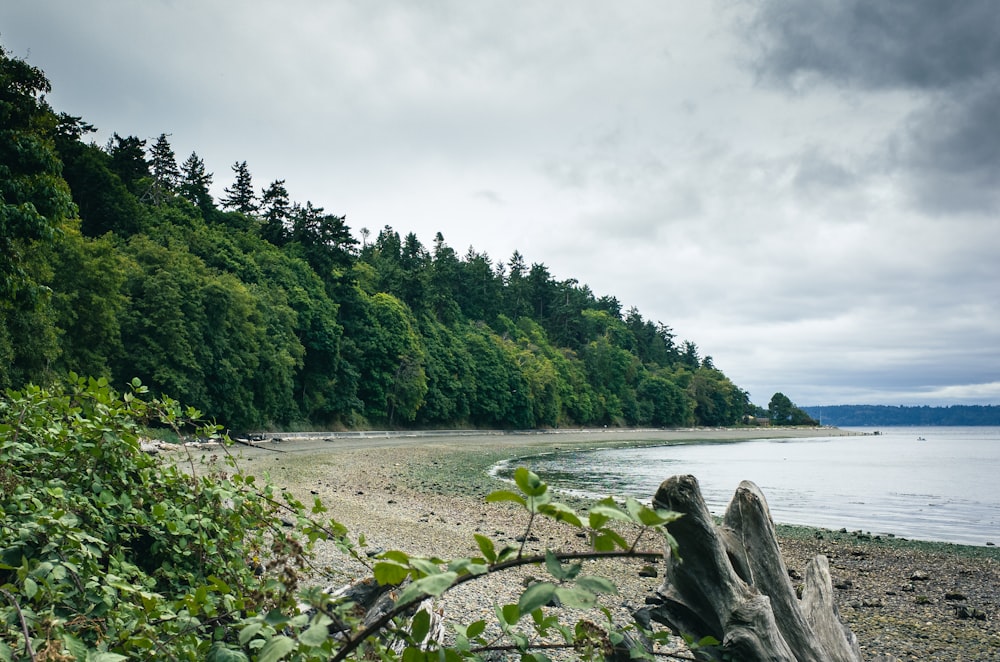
(935, 44)
(811, 197)
(946, 54)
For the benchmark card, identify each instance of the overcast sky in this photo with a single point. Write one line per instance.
(810, 191)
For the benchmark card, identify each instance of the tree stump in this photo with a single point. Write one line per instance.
(731, 583)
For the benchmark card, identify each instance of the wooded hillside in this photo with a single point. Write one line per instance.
(116, 261)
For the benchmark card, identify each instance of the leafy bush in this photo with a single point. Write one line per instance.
(107, 553)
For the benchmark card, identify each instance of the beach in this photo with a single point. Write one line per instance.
(425, 495)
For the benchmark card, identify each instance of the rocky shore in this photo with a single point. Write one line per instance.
(913, 600)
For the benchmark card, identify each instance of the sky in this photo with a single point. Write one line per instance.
(808, 190)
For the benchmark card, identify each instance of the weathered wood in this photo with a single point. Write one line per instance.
(731, 583)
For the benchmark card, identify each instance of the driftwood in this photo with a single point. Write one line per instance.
(732, 584)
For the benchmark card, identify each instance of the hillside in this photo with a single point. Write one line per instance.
(264, 312)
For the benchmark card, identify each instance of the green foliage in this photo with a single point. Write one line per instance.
(270, 316)
(34, 199)
(108, 554)
(783, 411)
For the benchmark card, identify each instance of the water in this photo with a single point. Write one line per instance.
(932, 483)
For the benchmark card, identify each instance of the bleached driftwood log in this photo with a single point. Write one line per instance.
(732, 584)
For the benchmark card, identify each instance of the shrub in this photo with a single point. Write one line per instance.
(107, 553)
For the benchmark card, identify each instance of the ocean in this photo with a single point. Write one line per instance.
(928, 483)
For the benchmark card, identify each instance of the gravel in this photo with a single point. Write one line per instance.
(912, 600)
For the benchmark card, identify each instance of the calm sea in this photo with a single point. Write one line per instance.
(933, 483)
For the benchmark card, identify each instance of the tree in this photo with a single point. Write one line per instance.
(274, 210)
(166, 176)
(324, 240)
(689, 355)
(105, 203)
(240, 196)
(34, 199)
(128, 161)
(783, 412)
(195, 183)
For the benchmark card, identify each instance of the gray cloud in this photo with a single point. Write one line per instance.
(815, 211)
(946, 53)
(894, 44)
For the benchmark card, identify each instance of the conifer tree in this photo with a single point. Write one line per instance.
(196, 181)
(128, 160)
(240, 196)
(166, 176)
(274, 208)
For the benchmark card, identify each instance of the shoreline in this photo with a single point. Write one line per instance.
(425, 495)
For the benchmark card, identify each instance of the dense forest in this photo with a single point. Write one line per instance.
(117, 262)
(868, 415)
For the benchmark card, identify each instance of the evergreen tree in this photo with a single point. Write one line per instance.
(240, 196)
(166, 176)
(274, 208)
(128, 161)
(195, 182)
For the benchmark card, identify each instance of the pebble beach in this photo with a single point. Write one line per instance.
(425, 495)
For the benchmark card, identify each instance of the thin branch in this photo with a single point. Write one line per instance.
(352, 643)
(527, 531)
(24, 624)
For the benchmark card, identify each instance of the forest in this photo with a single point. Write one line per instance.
(117, 262)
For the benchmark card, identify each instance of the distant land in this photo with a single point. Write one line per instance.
(869, 415)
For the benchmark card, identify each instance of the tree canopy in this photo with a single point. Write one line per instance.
(267, 312)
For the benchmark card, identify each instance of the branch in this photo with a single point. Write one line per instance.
(352, 643)
(24, 625)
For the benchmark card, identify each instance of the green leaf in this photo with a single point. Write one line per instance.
(561, 513)
(535, 596)
(596, 584)
(219, 653)
(486, 547)
(468, 566)
(553, 565)
(389, 572)
(608, 541)
(414, 654)
(576, 597)
(248, 633)
(424, 566)
(396, 555)
(475, 629)
(95, 656)
(433, 585)
(276, 619)
(508, 614)
(610, 512)
(529, 482)
(76, 648)
(505, 495)
(276, 649)
(420, 625)
(315, 635)
(30, 587)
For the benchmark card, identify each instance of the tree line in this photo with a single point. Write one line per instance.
(117, 262)
(868, 415)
